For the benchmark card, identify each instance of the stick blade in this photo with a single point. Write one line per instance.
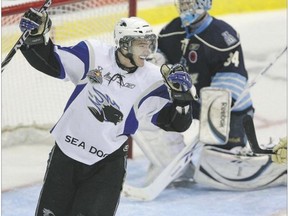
(251, 136)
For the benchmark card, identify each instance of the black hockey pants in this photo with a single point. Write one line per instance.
(72, 188)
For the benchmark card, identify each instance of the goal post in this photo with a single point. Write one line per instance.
(32, 102)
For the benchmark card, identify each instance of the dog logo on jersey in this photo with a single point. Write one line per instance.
(104, 109)
(229, 39)
(95, 75)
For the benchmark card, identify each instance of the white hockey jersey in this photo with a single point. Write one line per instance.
(107, 103)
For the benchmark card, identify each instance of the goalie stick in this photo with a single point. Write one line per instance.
(169, 174)
(251, 136)
(247, 120)
(22, 39)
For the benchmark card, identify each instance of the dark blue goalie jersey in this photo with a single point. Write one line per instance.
(212, 54)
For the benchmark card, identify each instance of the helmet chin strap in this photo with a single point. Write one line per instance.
(128, 56)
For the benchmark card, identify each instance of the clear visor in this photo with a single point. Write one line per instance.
(140, 46)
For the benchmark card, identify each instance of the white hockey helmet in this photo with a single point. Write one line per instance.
(132, 28)
(191, 10)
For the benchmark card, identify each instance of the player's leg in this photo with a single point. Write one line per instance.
(58, 189)
(99, 188)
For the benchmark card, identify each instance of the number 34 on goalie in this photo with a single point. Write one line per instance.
(215, 115)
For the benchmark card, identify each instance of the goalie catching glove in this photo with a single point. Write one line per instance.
(180, 84)
(280, 150)
(39, 24)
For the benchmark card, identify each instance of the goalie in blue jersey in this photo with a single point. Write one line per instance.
(210, 50)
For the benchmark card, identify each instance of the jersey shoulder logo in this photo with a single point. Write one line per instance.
(228, 38)
(95, 75)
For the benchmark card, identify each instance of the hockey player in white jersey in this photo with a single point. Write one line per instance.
(115, 91)
(211, 51)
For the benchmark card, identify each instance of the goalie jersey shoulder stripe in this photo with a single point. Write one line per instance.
(236, 84)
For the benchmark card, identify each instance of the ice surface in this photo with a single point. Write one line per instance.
(263, 37)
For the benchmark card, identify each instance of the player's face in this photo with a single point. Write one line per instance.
(141, 49)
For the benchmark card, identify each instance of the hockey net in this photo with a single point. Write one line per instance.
(32, 102)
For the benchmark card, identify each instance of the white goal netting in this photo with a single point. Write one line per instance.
(32, 102)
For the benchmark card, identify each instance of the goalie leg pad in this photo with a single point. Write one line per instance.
(219, 168)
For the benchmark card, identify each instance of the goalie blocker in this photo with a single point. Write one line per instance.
(215, 115)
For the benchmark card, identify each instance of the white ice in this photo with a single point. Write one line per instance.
(263, 37)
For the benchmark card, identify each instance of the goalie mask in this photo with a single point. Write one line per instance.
(191, 10)
(134, 36)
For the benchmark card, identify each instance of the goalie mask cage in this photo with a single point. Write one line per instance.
(32, 102)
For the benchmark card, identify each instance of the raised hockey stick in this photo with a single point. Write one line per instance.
(169, 174)
(253, 82)
(251, 136)
(22, 39)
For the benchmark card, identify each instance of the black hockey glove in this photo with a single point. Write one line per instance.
(39, 24)
(179, 82)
